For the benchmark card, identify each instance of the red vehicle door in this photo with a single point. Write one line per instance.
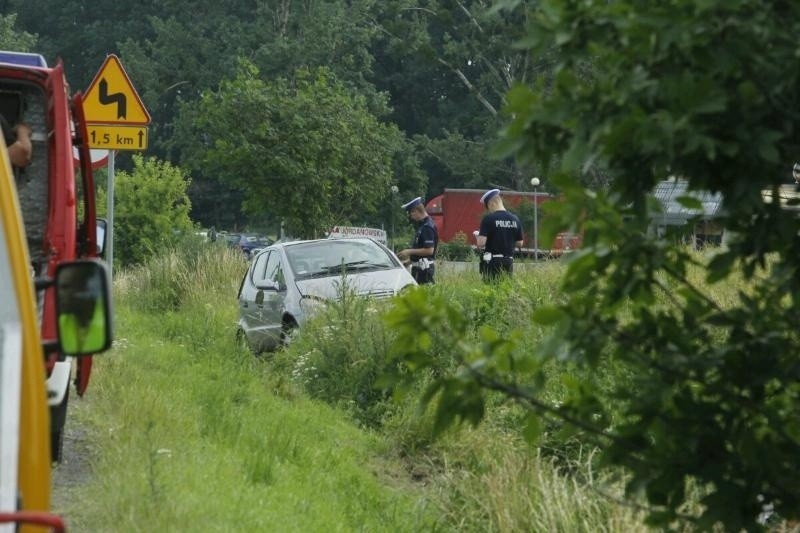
(88, 237)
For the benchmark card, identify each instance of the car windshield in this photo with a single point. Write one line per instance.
(328, 258)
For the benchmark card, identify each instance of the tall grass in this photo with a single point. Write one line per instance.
(192, 432)
(485, 479)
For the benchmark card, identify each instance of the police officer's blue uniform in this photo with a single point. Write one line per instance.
(427, 236)
(502, 230)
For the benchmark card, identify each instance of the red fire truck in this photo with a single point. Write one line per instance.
(57, 204)
(81, 302)
(459, 211)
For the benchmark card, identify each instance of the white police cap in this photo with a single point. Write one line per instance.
(488, 195)
(413, 203)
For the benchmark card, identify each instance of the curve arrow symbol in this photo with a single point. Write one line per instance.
(116, 98)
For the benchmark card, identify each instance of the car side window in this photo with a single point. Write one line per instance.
(273, 268)
(260, 267)
(279, 277)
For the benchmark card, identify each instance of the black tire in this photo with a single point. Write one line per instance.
(58, 419)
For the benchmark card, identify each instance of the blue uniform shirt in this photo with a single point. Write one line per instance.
(502, 231)
(427, 236)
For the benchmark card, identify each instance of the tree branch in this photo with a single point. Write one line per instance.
(469, 15)
(469, 86)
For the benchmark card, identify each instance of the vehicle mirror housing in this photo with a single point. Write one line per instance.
(83, 307)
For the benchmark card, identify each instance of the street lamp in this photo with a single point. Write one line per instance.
(535, 182)
(394, 190)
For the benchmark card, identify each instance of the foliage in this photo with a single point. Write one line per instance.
(305, 150)
(151, 209)
(447, 65)
(644, 92)
(12, 38)
(437, 69)
(184, 272)
(342, 361)
(177, 403)
(458, 249)
(444, 66)
(188, 433)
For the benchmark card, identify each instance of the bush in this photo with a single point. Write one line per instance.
(339, 355)
(458, 249)
(151, 209)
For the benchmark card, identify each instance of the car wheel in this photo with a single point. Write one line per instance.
(288, 331)
(58, 419)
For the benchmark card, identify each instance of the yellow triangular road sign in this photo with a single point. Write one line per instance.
(111, 98)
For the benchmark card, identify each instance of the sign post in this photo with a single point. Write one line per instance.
(116, 120)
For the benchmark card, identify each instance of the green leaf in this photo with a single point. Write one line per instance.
(532, 429)
(690, 202)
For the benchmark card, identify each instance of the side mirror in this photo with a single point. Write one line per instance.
(101, 236)
(268, 285)
(83, 307)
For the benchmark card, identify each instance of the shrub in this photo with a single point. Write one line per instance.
(458, 249)
(339, 354)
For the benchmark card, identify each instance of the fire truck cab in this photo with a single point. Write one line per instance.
(80, 298)
(57, 204)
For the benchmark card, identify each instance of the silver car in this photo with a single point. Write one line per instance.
(286, 282)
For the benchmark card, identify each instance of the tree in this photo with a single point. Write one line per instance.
(150, 208)
(704, 90)
(305, 150)
(13, 39)
(447, 65)
(193, 49)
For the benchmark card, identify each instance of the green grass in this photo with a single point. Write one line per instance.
(191, 432)
(191, 436)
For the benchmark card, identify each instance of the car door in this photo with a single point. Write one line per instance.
(273, 296)
(24, 428)
(250, 301)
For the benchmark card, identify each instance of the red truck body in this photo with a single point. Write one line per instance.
(459, 211)
(58, 205)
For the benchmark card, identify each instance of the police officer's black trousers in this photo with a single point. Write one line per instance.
(422, 276)
(497, 267)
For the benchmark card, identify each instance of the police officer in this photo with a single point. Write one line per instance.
(423, 247)
(499, 234)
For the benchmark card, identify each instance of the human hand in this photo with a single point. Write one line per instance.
(20, 151)
(23, 131)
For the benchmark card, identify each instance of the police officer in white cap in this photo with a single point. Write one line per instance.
(423, 247)
(499, 234)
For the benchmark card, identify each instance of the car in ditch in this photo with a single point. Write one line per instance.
(287, 282)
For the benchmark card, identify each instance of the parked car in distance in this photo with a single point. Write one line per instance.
(248, 242)
(287, 282)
